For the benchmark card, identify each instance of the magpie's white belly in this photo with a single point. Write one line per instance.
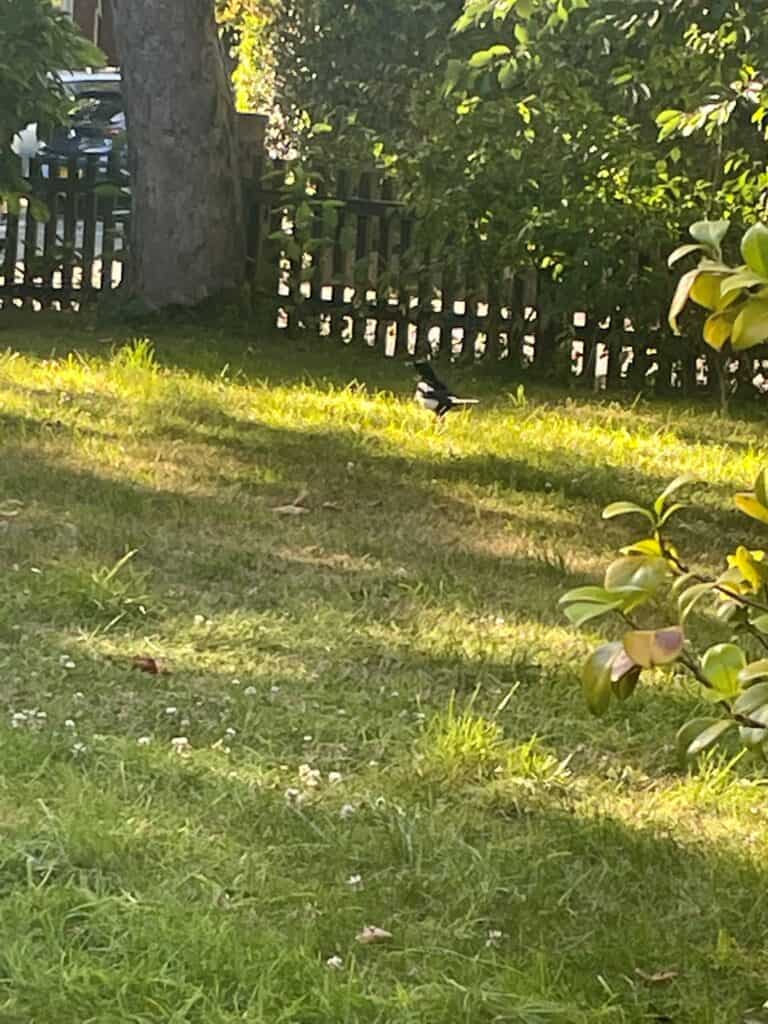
(426, 400)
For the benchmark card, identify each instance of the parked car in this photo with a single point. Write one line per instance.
(96, 123)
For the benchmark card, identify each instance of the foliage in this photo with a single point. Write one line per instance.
(652, 576)
(246, 27)
(576, 137)
(38, 40)
(366, 70)
(735, 297)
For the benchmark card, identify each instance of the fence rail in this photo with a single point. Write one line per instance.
(338, 259)
(68, 243)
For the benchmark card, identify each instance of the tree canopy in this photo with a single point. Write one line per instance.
(580, 137)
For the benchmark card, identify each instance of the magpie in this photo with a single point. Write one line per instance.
(433, 395)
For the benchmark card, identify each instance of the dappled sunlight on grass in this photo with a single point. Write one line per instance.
(369, 713)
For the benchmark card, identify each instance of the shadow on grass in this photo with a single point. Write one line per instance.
(579, 905)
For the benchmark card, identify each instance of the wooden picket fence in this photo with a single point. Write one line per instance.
(71, 248)
(338, 262)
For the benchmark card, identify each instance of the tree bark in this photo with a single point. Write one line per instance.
(187, 235)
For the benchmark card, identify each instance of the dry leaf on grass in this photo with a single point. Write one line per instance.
(290, 510)
(658, 977)
(371, 934)
(152, 666)
(294, 508)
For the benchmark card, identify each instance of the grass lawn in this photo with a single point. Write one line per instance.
(378, 696)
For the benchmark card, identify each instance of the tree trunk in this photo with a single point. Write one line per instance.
(187, 235)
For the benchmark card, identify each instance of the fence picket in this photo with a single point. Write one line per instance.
(372, 280)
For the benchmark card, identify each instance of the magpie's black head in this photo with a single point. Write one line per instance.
(424, 369)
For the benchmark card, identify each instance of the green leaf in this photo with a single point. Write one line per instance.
(508, 74)
(754, 249)
(761, 487)
(710, 737)
(745, 278)
(761, 623)
(668, 121)
(524, 8)
(584, 611)
(681, 252)
(750, 506)
(482, 58)
(321, 128)
(522, 35)
(718, 328)
(680, 298)
(626, 508)
(691, 730)
(624, 687)
(596, 677)
(710, 233)
(647, 546)
(453, 74)
(756, 695)
(685, 480)
(705, 290)
(671, 511)
(636, 572)
(721, 666)
(751, 325)
(585, 603)
(755, 737)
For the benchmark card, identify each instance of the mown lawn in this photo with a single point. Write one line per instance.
(378, 696)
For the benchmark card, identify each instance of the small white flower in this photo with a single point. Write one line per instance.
(307, 738)
(274, 689)
(500, 620)
(231, 732)
(308, 776)
(69, 724)
(494, 937)
(171, 711)
(355, 881)
(250, 691)
(79, 695)
(199, 620)
(41, 714)
(335, 963)
(235, 682)
(78, 748)
(19, 716)
(334, 778)
(292, 794)
(346, 811)
(66, 662)
(180, 744)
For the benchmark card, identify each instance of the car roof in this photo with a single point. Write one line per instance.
(90, 75)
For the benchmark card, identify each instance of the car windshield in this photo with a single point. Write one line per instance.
(94, 106)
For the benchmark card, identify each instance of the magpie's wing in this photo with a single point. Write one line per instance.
(428, 374)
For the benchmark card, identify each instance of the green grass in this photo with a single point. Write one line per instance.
(380, 687)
